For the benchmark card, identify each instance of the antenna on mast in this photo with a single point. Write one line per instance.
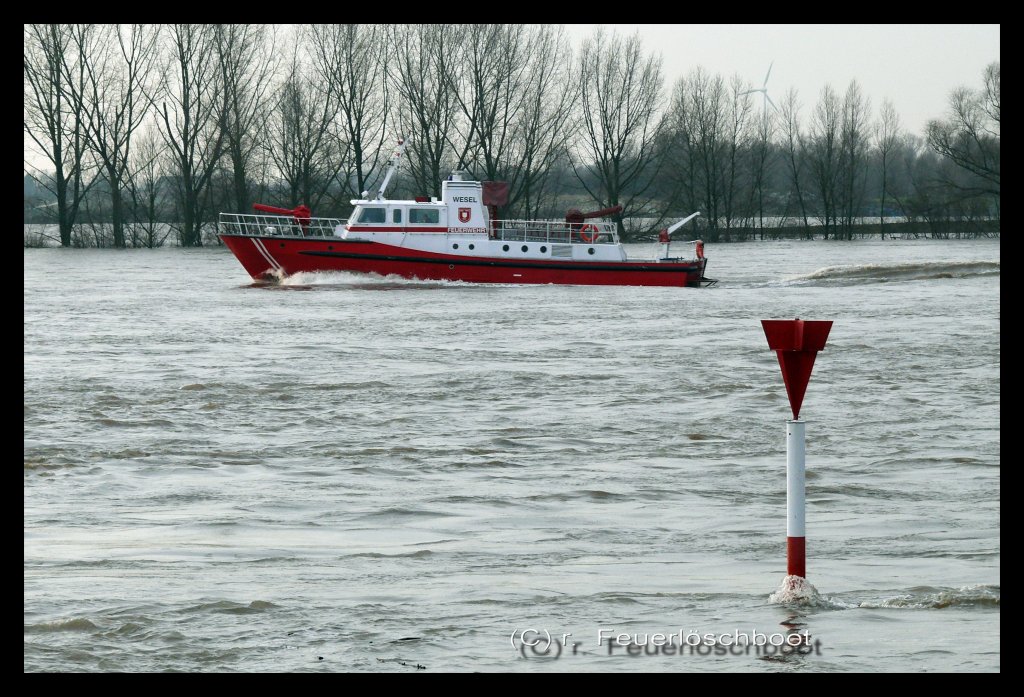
(394, 166)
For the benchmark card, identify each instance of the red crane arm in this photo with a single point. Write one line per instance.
(576, 216)
(301, 214)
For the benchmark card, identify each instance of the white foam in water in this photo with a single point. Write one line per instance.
(796, 589)
(940, 598)
(315, 278)
(898, 272)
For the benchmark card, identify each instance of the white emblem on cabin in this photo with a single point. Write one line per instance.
(464, 215)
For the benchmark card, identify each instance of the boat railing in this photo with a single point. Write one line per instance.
(258, 225)
(556, 231)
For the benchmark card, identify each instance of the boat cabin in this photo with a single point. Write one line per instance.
(460, 211)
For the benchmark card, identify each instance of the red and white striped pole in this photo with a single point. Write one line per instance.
(796, 342)
(796, 505)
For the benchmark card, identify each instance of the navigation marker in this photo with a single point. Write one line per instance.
(796, 342)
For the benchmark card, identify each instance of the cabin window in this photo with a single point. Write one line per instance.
(427, 216)
(396, 216)
(372, 215)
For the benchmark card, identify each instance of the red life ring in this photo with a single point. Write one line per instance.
(588, 233)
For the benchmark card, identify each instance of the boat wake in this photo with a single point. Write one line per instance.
(334, 280)
(797, 592)
(887, 273)
(939, 598)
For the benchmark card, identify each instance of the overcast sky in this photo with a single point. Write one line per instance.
(914, 66)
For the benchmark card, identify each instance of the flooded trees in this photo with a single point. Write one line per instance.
(793, 147)
(425, 72)
(854, 142)
(969, 135)
(302, 138)
(617, 158)
(55, 121)
(117, 61)
(351, 60)
(190, 109)
(887, 136)
(698, 121)
(247, 60)
(823, 152)
(712, 142)
(515, 108)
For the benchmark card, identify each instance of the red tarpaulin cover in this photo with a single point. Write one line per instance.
(495, 193)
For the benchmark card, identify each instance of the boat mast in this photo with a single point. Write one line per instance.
(391, 170)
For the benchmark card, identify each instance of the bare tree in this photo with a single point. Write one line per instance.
(302, 141)
(496, 58)
(823, 154)
(887, 137)
(515, 107)
(426, 74)
(969, 136)
(737, 140)
(908, 151)
(794, 149)
(146, 189)
(761, 160)
(546, 122)
(54, 120)
(699, 119)
(118, 61)
(350, 60)
(247, 57)
(617, 159)
(853, 147)
(191, 113)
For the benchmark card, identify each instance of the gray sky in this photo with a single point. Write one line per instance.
(914, 66)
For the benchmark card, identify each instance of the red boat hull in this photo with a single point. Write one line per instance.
(266, 258)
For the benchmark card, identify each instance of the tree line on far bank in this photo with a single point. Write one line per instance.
(145, 132)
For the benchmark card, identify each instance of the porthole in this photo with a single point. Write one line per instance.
(543, 250)
(504, 248)
(455, 246)
(590, 251)
(330, 246)
(451, 266)
(525, 248)
(472, 246)
(282, 245)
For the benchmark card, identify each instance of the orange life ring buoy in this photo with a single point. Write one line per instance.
(588, 233)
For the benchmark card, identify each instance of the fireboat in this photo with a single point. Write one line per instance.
(457, 238)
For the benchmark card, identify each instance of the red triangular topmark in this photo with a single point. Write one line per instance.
(796, 373)
(797, 343)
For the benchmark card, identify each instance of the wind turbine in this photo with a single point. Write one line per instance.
(764, 90)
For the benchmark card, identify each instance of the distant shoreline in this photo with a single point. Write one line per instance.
(937, 230)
